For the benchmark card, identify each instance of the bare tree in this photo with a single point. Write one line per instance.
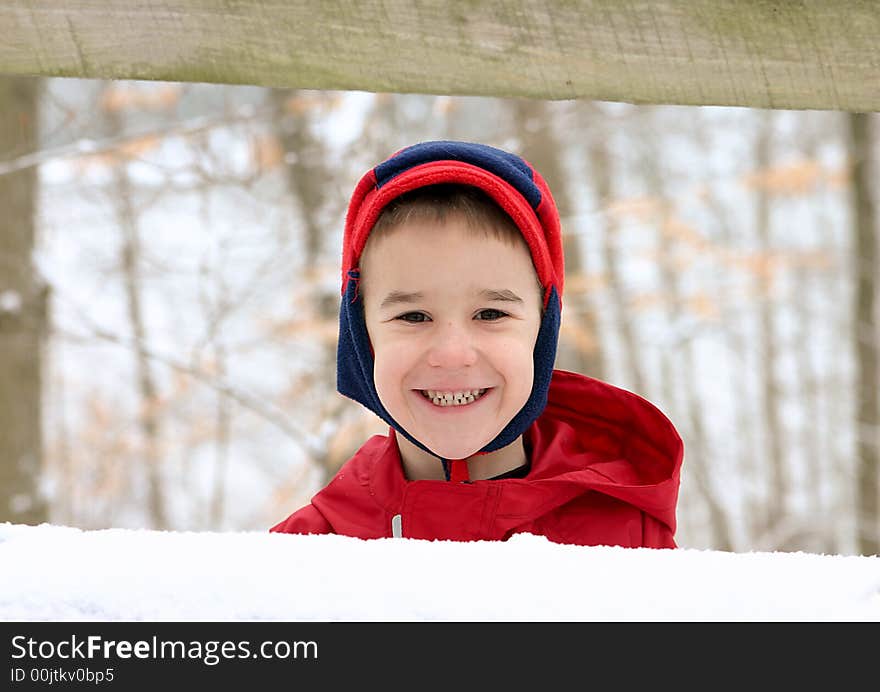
(810, 384)
(744, 456)
(867, 353)
(540, 144)
(697, 445)
(23, 314)
(305, 161)
(604, 170)
(131, 264)
(777, 499)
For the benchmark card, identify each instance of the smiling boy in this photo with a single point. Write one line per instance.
(449, 320)
(453, 308)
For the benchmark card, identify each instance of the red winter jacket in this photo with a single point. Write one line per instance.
(605, 469)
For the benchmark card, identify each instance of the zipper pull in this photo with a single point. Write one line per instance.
(397, 526)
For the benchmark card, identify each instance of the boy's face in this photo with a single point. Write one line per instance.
(451, 311)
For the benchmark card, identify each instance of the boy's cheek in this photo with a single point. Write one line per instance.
(390, 354)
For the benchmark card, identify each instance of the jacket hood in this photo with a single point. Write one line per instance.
(601, 438)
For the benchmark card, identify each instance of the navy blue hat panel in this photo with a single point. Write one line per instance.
(354, 362)
(509, 167)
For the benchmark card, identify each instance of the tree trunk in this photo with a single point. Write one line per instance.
(809, 382)
(223, 414)
(742, 423)
(533, 125)
(305, 159)
(603, 171)
(698, 454)
(867, 358)
(148, 414)
(777, 498)
(23, 313)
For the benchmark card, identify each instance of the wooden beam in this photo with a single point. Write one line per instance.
(791, 54)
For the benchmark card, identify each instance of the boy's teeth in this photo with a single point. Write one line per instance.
(457, 398)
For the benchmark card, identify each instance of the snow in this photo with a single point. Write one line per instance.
(58, 573)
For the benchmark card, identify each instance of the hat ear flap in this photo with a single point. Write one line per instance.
(354, 353)
(544, 357)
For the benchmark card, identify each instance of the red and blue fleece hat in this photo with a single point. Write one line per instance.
(520, 191)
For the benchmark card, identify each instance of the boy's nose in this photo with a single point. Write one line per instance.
(452, 348)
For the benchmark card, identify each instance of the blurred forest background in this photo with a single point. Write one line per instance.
(169, 282)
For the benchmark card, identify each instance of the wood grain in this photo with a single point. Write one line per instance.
(808, 54)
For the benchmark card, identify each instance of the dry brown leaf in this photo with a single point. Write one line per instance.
(838, 177)
(134, 148)
(267, 151)
(585, 282)
(702, 305)
(641, 302)
(641, 208)
(577, 336)
(677, 229)
(301, 103)
(122, 97)
(799, 178)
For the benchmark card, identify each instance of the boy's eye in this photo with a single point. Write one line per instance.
(413, 317)
(490, 314)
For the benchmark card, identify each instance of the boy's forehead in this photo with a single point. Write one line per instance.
(421, 252)
(416, 233)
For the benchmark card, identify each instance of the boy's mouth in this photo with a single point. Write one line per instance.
(456, 398)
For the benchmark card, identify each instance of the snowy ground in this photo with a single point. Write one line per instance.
(57, 573)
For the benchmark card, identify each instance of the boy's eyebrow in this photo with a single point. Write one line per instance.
(396, 297)
(493, 294)
(504, 294)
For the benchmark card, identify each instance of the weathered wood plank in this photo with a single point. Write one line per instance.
(804, 54)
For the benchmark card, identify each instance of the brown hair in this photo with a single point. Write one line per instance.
(436, 203)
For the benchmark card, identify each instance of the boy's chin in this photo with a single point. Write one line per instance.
(446, 450)
(451, 454)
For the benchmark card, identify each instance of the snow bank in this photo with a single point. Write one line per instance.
(57, 573)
